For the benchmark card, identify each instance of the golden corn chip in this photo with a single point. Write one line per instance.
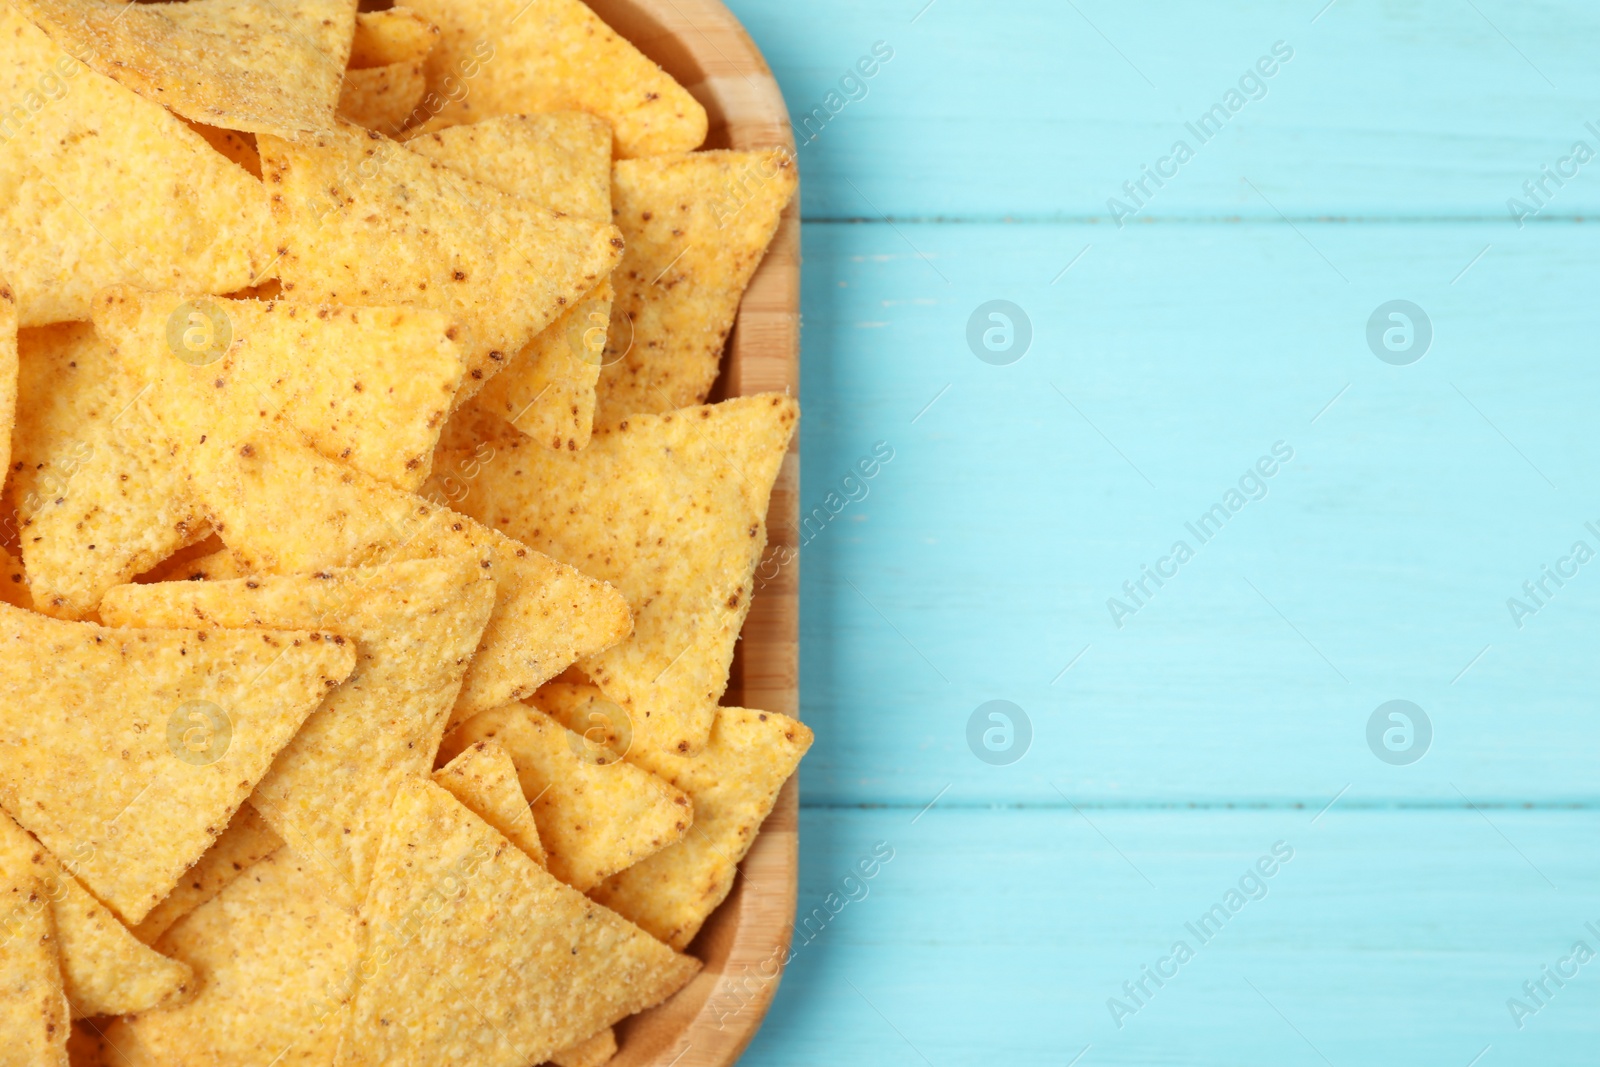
(266, 66)
(475, 954)
(8, 374)
(596, 815)
(484, 779)
(104, 969)
(33, 1009)
(99, 500)
(415, 625)
(13, 583)
(590, 1052)
(363, 220)
(382, 98)
(127, 751)
(561, 161)
(671, 509)
(247, 840)
(398, 35)
(276, 957)
(369, 386)
(733, 782)
(99, 187)
(283, 509)
(508, 57)
(696, 228)
(239, 147)
(182, 565)
(548, 390)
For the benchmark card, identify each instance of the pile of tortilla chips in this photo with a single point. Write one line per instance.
(371, 563)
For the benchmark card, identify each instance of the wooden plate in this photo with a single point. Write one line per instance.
(709, 1023)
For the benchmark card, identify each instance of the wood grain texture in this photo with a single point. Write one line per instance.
(1035, 109)
(977, 164)
(709, 1023)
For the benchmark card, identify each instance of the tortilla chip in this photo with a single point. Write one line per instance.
(266, 66)
(475, 954)
(484, 779)
(283, 509)
(561, 161)
(104, 969)
(126, 752)
(415, 625)
(239, 147)
(98, 186)
(398, 35)
(180, 566)
(733, 782)
(671, 509)
(33, 1008)
(590, 1052)
(8, 374)
(696, 228)
(247, 841)
(98, 501)
(508, 57)
(364, 221)
(367, 386)
(382, 98)
(13, 582)
(548, 391)
(596, 815)
(276, 959)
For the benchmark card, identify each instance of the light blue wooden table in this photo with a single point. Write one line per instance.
(1182, 730)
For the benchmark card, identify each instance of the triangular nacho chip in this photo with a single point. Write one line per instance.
(104, 969)
(13, 582)
(239, 147)
(100, 500)
(8, 374)
(363, 220)
(398, 35)
(34, 1021)
(100, 187)
(386, 80)
(276, 958)
(484, 779)
(596, 815)
(475, 954)
(283, 509)
(382, 98)
(509, 57)
(671, 509)
(591, 1052)
(266, 66)
(369, 386)
(548, 391)
(126, 752)
(696, 228)
(733, 782)
(561, 161)
(415, 626)
(247, 841)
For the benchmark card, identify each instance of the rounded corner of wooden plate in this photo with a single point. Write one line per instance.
(745, 943)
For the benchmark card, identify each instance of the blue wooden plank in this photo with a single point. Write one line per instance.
(1164, 365)
(1035, 109)
(999, 937)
